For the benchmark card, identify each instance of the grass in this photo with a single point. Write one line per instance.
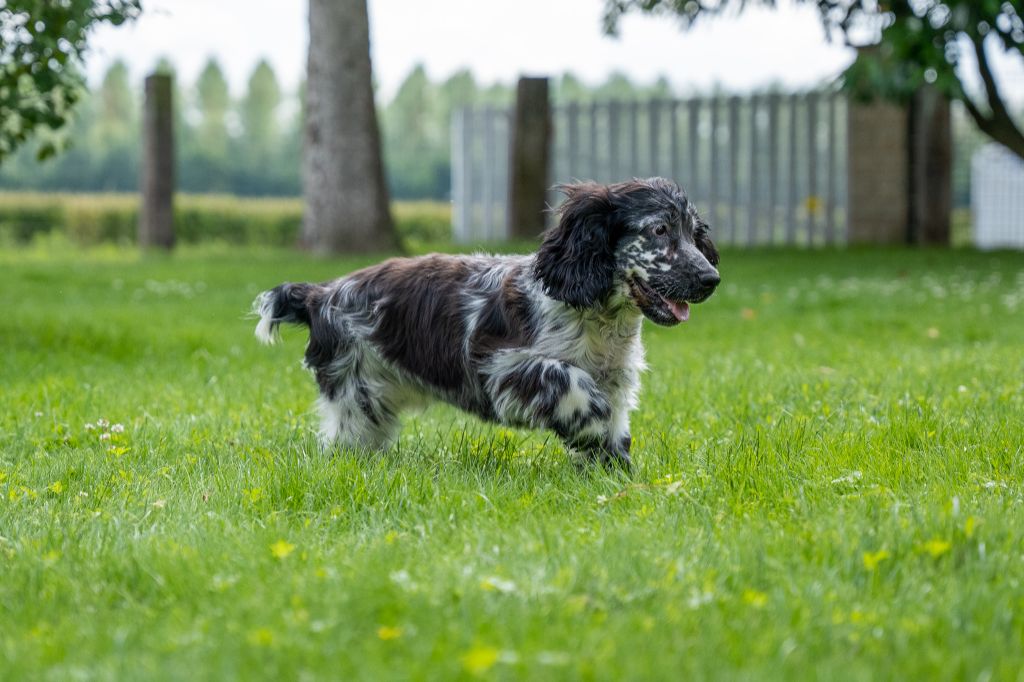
(829, 486)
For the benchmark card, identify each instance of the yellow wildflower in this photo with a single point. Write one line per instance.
(480, 659)
(386, 632)
(936, 547)
(281, 549)
(261, 637)
(755, 598)
(872, 559)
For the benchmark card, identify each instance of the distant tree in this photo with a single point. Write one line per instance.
(205, 163)
(918, 42)
(116, 107)
(659, 89)
(115, 140)
(458, 90)
(290, 160)
(42, 45)
(343, 173)
(497, 95)
(616, 86)
(412, 137)
(569, 88)
(213, 101)
(256, 156)
(259, 111)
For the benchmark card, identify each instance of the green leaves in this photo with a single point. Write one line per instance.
(42, 44)
(915, 43)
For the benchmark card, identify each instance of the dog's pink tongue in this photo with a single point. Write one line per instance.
(680, 310)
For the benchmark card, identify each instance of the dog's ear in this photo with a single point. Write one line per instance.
(702, 240)
(576, 259)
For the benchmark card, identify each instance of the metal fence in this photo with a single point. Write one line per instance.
(762, 169)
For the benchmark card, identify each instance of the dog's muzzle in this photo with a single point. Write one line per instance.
(669, 311)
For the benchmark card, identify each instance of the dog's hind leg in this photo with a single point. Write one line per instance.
(530, 390)
(352, 415)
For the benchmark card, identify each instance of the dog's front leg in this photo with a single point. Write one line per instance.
(527, 389)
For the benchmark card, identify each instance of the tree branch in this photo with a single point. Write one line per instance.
(1000, 126)
(995, 101)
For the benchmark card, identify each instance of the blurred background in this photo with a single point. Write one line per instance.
(763, 113)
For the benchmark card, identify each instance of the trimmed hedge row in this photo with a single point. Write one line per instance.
(88, 219)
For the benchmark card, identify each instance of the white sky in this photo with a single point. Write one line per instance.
(496, 39)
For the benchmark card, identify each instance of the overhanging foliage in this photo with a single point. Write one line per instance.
(42, 44)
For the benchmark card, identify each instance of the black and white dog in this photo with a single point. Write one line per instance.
(549, 340)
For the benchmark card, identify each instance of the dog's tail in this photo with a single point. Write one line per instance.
(288, 302)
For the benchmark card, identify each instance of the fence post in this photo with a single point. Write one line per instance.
(614, 148)
(830, 175)
(792, 184)
(812, 202)
(598, 172)
(572, 141)
(773, 164)
(754, 208)
(460, 169)
(733, 131)
(931, 168)
(713, 105)
(530, 143)
(653, 111)
(693, 182)
(156, 215)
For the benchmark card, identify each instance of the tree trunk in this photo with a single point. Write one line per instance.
(343, 176)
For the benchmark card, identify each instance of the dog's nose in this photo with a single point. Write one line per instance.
(710, 279)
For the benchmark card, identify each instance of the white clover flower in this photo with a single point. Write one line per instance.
(117, 428)
(104, 436)
(102, 423)
(494, 583)
(90, 426)
(851, 478)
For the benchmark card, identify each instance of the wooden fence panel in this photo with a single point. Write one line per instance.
(763, 169)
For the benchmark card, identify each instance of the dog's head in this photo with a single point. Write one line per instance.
(641, 238)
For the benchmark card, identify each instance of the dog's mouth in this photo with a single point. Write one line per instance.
(656, 307)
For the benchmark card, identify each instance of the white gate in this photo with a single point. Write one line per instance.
(997, 198)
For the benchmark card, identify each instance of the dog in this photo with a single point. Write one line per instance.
(548, 340)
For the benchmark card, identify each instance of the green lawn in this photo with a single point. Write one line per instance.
(829, 485)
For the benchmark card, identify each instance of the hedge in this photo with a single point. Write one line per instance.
(89, 219)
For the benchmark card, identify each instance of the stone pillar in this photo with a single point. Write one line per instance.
(878, 206)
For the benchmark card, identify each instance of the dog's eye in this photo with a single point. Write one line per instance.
(661, 230)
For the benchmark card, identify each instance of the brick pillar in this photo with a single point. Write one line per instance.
(878, 195)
